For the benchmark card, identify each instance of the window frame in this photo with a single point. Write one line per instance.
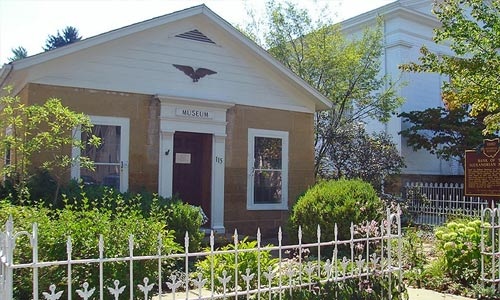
(283, 135)
(124, 123)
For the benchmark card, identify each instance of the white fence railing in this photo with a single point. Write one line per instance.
(434, 203)
(490, 247)
(376, 253)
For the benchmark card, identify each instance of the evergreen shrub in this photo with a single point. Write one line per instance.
(343, 202)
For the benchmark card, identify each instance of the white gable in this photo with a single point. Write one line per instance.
(143, 62)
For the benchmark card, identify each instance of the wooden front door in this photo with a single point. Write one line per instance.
(193, 169)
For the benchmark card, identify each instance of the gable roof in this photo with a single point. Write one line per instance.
(320, 101)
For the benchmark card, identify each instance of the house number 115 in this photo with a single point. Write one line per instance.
(219, 160)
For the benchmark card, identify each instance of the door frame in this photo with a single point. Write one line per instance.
(124, 123)
(197, 116)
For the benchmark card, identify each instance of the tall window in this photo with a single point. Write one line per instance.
(110, 157)
(267, 184)
(106, 157)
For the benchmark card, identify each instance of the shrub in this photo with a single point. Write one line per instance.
(176, 215)
(183, 217)
(225, 262)
(329, 202)
(84, 222)
(460, 243)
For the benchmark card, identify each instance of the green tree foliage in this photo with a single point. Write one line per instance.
(18, 53)
(46, 131)
(445, 133)
(347, 71)
(356, 154)
(69, 35)
(472, 29)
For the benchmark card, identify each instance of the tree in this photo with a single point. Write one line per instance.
(344, 70)
(355, 154)
(69, 35)
(472, 29)
(445, 133)
(43, 131)
(18, 53)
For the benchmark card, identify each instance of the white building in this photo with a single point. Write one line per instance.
(407, 25)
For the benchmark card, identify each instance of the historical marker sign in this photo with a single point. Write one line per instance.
(482, 170)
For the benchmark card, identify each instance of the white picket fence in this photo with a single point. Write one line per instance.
(433, 203)
(368, 255)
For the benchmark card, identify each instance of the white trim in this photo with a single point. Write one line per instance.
(170, 122)
(283, 135)
(124, 123)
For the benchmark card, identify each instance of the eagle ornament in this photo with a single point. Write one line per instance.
(195, 75)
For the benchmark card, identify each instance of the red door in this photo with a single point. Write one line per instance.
(193, 169)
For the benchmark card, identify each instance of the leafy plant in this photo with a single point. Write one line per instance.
(177, 216)
(414, 257)
(43, 131)
(337, 201)
(460, 243)
(482, 292)
(225, 264)
(85, 222)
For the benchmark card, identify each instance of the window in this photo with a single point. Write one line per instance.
(110, 157)
(106, 157)
(267, 184)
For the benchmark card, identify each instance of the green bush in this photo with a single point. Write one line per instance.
(460, 243)
(183, 217)
(178, 216)
(225, 262)
(337, 201)
(40, 188)
(84, 223)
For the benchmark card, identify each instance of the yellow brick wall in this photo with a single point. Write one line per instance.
(300, 169)
(142, 110)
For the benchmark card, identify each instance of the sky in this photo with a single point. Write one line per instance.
(27, 23)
